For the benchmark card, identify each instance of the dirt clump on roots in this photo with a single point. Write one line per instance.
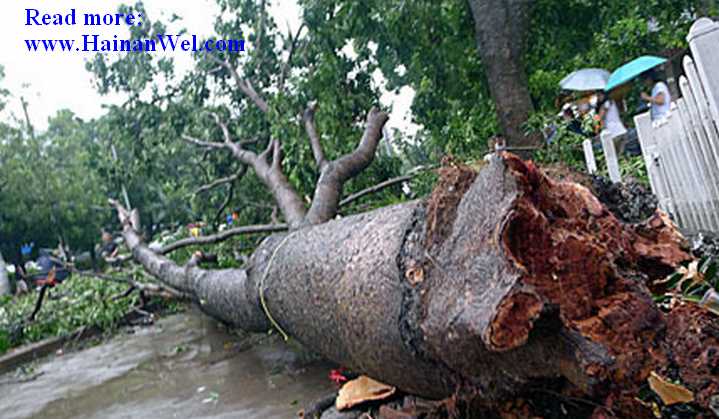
(629, 201)
(562, 172)
(705, 244)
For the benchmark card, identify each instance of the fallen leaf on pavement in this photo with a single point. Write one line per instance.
(360, 390)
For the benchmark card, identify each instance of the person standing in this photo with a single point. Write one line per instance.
(611, 122)
(660, 99)
(4, 278)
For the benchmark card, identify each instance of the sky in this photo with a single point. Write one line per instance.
(50, 82)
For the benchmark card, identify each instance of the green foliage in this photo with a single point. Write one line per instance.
(160, 171)
(691, 281)
(430, 46)
(566, 146)
(50, 186)
(78, 302)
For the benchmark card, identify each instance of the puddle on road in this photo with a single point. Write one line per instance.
(184, 366)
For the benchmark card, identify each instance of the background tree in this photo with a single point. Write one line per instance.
(501, 27)
(50, 191)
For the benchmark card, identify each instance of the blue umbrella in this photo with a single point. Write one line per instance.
(632, 69)
(585, 79)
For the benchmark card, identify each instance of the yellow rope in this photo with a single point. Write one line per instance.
(274, 323)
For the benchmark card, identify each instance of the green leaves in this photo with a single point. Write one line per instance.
(691, 281)
(77, 302)
(51, 188)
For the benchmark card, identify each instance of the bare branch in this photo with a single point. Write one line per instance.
(223, 126)
(201, 143)
(309, 120)
(374, 189)
(244, 85)
(334, 174)
(386, 184)
(285, 195)
(288, 64)
(276, 155)
(275, 227)
(221, 181)
(163, 291)
(228, 198)
(223, 235)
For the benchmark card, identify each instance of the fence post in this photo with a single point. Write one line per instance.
(657, 168)
(610, 153)
(699, 141)
(589, 157)
(703, 39)
(643, 123)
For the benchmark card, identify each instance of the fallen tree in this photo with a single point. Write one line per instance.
(499, 282)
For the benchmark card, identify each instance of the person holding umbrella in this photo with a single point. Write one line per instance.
(660, 100)
(611, 122)
(645, 67)
(584, 82)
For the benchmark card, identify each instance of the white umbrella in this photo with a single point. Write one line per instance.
(586, 79)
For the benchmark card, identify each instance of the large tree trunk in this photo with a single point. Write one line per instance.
(499, 281)
(501, 28)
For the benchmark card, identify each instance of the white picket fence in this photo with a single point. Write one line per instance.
(681, 151)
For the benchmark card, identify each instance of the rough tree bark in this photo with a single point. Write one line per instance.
(501, 28)
(496, 283)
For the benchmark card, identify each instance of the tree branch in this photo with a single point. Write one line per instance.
(244, 85)
(223, 235)
(225, 294)
(276, 155)
(309, 120)
(157, 265)
(335, 173)
(228, 198)
(288, 64)
(270, 174)
(386, 184)
(153, 289)
(223, 126)
(376, 188)
(201, 143)
(221, 181)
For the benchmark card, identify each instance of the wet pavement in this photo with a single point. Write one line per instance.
(184, 366)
